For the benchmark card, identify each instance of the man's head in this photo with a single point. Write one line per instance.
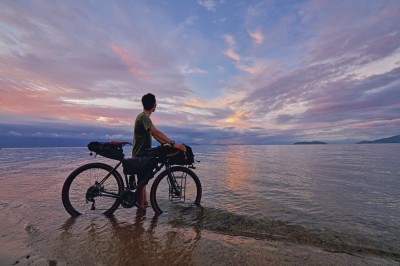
(149, 102)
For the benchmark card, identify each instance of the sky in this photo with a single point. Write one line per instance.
(223, 71)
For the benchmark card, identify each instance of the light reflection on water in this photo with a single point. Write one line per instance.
(351, 191)
(343, 198)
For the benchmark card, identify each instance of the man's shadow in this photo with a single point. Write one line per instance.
(145, 240)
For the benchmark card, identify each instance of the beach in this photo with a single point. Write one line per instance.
(143, 241)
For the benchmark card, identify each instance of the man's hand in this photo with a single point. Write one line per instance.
(180, 146)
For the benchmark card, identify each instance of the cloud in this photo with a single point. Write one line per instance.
(347, 73)
(187, 23)
(210, 5)
(229, 40)
(232, 55)
(131, 61)
(230, 52)
(60, 63)
(195, 70)
(257, 36)
(14, 133)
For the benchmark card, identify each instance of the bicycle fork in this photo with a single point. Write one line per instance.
(176, 190)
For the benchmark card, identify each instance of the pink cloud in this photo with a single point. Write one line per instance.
(257, 36)
(233, 55)
(130, 61)
(376, 123)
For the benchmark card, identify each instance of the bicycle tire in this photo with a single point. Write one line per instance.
(160, 190)
(83, 178)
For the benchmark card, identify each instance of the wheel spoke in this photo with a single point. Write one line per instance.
(163, 197)
(80, 190)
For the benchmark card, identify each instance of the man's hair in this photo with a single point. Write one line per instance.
(148, 101)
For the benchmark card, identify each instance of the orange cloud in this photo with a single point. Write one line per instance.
(257, 36)
(231, 48)
(233, 55)
(130, 61)
(237, 118)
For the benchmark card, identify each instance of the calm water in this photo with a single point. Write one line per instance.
(318, 204)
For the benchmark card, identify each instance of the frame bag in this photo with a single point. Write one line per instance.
(139, 165)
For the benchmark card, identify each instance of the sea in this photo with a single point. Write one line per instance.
(261, 205)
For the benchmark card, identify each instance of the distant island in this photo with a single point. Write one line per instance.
(309, 142)
(394, 139)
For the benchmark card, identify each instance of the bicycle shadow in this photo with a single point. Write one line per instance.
(157, 239)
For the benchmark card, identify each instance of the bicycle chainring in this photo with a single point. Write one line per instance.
(128, 199)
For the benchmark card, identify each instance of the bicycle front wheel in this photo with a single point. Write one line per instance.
(181, 189)
(82, 193)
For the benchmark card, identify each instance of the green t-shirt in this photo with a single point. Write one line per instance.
(142, 135)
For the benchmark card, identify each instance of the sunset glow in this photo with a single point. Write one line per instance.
(262, 72)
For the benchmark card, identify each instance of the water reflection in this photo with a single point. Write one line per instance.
(238, 177)
(114, 241)
(236, 168)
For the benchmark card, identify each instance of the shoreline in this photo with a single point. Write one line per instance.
(188, 248)
(151, 240)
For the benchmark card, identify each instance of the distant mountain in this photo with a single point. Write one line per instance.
(394, 139)
(309, 142)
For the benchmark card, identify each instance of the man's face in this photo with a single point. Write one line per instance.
(154, 107)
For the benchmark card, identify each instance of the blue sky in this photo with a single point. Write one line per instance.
(226, 72)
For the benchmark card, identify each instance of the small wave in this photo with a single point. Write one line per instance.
(224, 222)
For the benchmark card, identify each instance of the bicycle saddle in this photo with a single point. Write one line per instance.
(119, 143)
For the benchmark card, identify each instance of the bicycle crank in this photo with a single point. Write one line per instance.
(128, 199)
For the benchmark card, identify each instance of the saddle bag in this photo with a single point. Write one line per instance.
(107, 150)
(139, 165)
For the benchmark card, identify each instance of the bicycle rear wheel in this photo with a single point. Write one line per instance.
(81, 193)
(163, 196)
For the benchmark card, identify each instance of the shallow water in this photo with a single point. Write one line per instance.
(319, 204)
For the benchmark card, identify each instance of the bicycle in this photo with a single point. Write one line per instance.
(99, 187)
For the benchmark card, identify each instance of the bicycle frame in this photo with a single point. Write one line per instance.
(108, 189)
(175, 189)
(110, 173)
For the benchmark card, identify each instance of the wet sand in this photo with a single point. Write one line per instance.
(130, 238)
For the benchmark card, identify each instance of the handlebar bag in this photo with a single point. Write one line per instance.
(183, 158)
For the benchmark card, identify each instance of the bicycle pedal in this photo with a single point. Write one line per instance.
(128, 199)
(140, 208)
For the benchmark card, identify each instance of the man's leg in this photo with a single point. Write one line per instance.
(143, 197)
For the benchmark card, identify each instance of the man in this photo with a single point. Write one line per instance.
(143, 132)
(144, 129)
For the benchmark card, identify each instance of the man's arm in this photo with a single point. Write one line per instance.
(162, 138)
